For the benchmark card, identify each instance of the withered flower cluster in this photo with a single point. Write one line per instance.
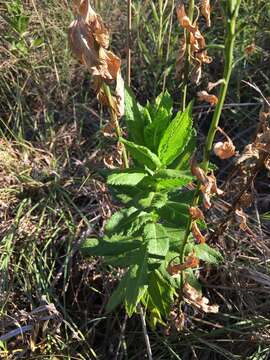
(197, 42)
(89, 42)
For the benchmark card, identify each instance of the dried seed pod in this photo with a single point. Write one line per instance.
(191, 262)
(196, 213)
(206, 11)
(204, 96)
(196, 232)
(224, 150)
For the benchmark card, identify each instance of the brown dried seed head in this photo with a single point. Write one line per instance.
(224, 150)
(197, 233)
(196, 213)
(204, 96)
(206, 11)
(88, 39)
(191, 262)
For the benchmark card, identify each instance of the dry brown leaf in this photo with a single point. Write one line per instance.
(196, 213)
(206, 11)
(197, 171)
(191, 262)
(204, 96)
(242, 219)
(194, 298)
(196, 232)
(209, 183)
(183, 19)
(250, 154)
(196, 73)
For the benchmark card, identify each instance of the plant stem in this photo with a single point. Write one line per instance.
(188, 56)
(228, 53)
(129, 29)
(229, 46)
(115, 121)
(168, 46)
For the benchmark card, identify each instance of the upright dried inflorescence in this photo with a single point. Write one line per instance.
(89, 42)
(198, 52)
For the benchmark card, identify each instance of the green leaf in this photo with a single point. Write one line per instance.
(164, 100)
(184, 160)
(192, 280)
(154, 131)
(145, 115)
(127, 221)
(174, 213)
(118, 295)
(126, 259)
(176, 238)
(136, 284)
(115, 246)
(134, 120)
(151, 200)
(205, 253)
(126, 177)
(172, 179)
(142, 154)
(119, 220)
(157, 241)
(176, 136)
(161, 293)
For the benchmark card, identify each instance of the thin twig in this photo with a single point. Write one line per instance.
(145, 334)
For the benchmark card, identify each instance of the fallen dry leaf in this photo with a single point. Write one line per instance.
(242, 219)
(209, 98)
(195, 299)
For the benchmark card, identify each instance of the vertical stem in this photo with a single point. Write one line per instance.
(229, 46)
(129, 42)
(114, 119)
(168, 46)
(188, 56)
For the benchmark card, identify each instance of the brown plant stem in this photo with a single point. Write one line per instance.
(115, 122)
(188, 57)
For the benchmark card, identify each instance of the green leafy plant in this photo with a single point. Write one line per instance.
(148, 233)
(156, 236)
